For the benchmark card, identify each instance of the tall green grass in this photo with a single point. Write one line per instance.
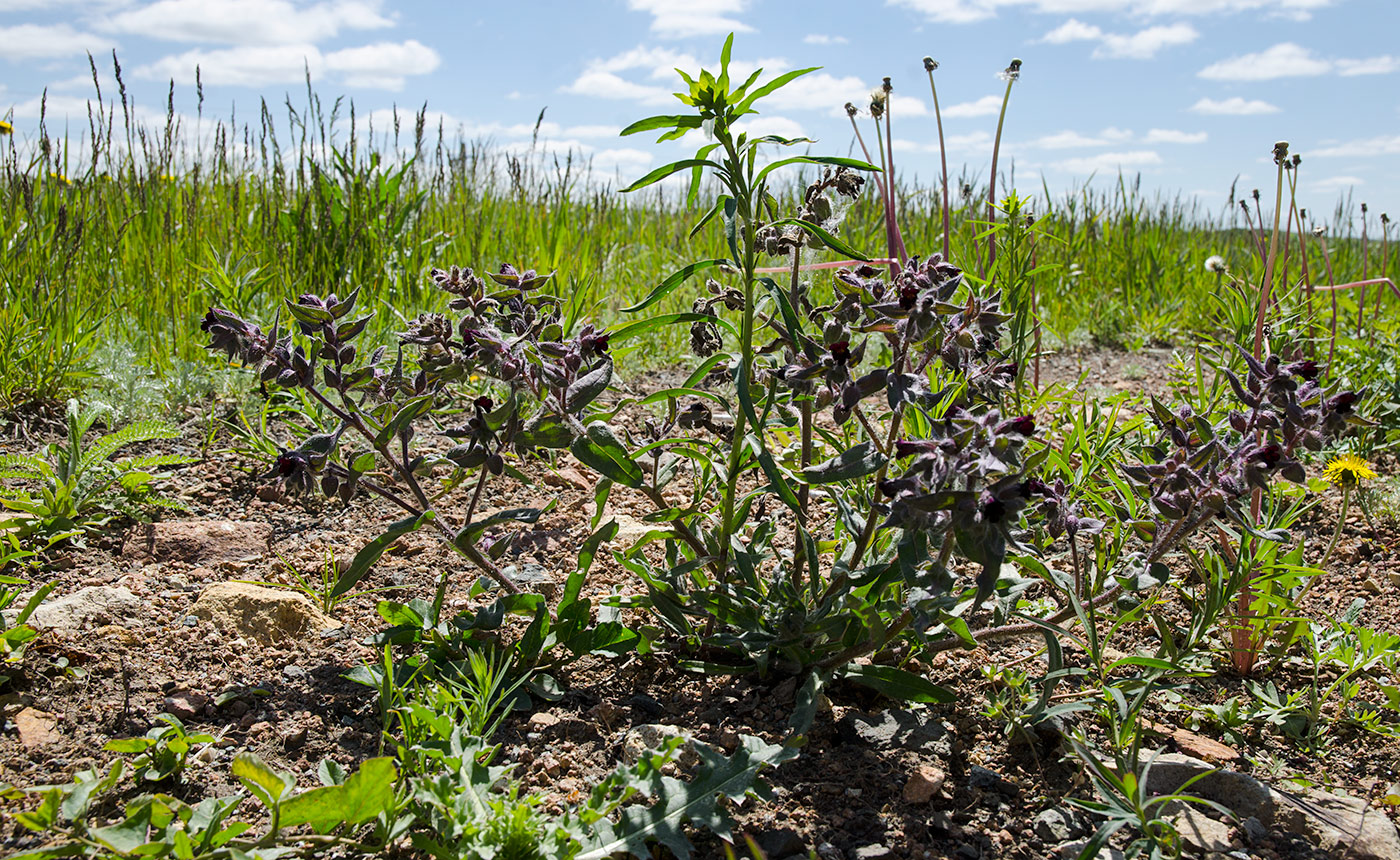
(124, 234)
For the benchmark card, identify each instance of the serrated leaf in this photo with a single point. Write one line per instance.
(678, 802)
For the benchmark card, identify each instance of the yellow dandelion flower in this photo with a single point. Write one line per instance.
(1348, 470)
(6, 128)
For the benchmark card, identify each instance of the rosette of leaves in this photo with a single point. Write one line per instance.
(79, 485)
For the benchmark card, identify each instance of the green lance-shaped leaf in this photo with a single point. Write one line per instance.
(666, 170)
(601, 451)
(268, 785)
(370, 553)
(825, 236)
(857, 462)
(469, 533)
(897, 683)
(675, 279)
(586, 388)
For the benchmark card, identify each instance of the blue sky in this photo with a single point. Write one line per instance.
(1190, 93)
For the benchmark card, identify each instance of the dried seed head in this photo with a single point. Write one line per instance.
(1012, 72)
(1280, 152)
(1363, 208)
(851, 109)
(930, 64)
(1215, 264)
(1297, 160)
(886, 86)
(878, 98)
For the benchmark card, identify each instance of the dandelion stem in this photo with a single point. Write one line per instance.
(1012, 72)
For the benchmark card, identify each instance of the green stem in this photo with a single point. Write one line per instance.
(992, 181)
(1336, 533)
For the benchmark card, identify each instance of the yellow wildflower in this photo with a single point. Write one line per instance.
(1348, 470)
(60, 177)
(6, 128)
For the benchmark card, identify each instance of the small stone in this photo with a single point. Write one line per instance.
(1254, 830)
(543, 720)
(986, 780)
(206, 541)
(36, 728)
(1072, 850)
(898, 729)
(780, 842)
(647, 705)
(294, 739)
(968, 850)
(729, 740)
(827, 851)
(872, 852)
(185, 704)
(94, 606)
(263, 614)
(925, 782)
(260, 727)
(190, 621)
(1200, 832)
(269, 492)
(653, 736)
(1055, 825)
(293, 671)
(566, 477)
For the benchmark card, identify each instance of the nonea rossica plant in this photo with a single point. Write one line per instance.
(868, 456)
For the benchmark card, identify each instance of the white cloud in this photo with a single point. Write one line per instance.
(1337, 183)
(1284, 60)
(384, 65)
(678, 19)
(985, 106)
(823, 39)
(1072, 30)
(1171, 135)
(380, 66)
(1363, 148)
(1234, 106)
(248, 22)
(606, 85)
(1109, 161)
(1382, 65)
(1144, 44)
(606, 78)
(40, 42)
(971, 11)
(592, 130)
(1141, 45)
(1067, 140)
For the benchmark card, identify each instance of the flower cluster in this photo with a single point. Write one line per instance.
(966, 480)
(1204, 469)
